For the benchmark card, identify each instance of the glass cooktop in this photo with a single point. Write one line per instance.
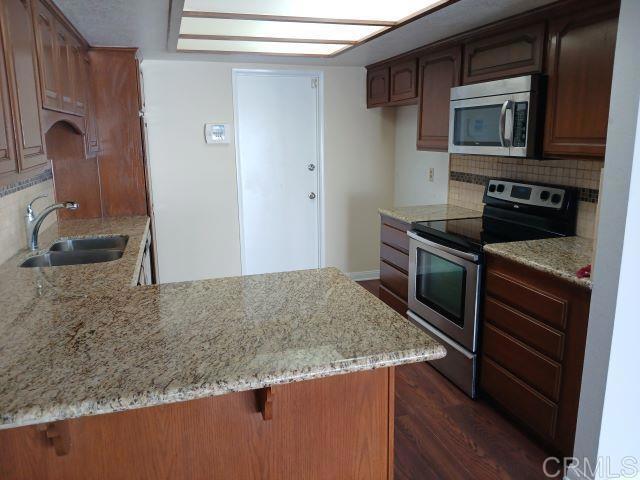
(472, 233)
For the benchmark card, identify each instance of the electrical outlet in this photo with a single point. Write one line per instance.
(432, 172)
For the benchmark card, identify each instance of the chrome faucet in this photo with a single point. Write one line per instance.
(34, 222)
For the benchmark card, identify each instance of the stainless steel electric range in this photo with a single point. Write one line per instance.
(446, 265)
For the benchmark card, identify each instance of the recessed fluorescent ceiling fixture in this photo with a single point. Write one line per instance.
(289, 27)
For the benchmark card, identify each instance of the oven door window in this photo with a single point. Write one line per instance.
(477, 126)
(440, 284)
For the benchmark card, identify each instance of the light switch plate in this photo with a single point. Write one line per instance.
(216, 133)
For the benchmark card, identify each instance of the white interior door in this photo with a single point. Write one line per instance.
(278, 154)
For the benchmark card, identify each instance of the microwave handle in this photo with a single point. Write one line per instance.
(507, 105)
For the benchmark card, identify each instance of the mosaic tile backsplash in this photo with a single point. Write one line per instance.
(468, 174)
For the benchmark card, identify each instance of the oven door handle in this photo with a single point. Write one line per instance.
(452, 251)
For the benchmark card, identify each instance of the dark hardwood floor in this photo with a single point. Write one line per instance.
(441, 434)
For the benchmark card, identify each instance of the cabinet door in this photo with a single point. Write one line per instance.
(581, 51)
(78, 77)
(8, 158)
(65, 65)
(517, 52)
(439, 72)
(48, 57)
(377, 87)
(404, 81)
(20, 39)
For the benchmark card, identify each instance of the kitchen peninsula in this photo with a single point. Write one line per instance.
(277, 375)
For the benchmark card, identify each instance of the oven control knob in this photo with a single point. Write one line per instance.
(544, 195)
(492, 187)
(555, 198)
(500, 188)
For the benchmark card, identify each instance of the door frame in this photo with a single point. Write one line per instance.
(238, 72)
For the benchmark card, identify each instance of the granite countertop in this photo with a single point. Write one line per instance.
(424, 213)
(79, 340)
(561, 257)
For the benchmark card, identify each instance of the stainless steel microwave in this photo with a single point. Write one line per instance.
(496, 118)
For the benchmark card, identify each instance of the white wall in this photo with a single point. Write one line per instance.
(608, 420)
(194, 184)
(412, 185)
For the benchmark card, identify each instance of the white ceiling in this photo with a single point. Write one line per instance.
(145, 24)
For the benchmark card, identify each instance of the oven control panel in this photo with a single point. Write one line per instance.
(537, 195)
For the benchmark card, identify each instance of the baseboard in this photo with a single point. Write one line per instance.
(360, 276)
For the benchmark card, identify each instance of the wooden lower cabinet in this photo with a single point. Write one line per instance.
(394, 263)
(337, 427)
(534, 335)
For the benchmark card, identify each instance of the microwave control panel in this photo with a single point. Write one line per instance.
(520, 118)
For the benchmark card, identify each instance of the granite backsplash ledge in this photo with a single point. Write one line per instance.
(468, 175)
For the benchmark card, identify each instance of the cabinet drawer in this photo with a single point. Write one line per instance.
(394, 257)
(394, 280)
(526, 298)
(519, 399)
(393, 300)
(535, 369)
(395, 238)
(530, 331)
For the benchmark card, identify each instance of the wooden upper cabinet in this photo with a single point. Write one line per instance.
(439, 71)
(79, 78)
(403, 81)
(377, 87)
(65, 68)
(508, 54)
(24, 85)
(580, 64)
(61, 59)
(8, 157)
(45, 25)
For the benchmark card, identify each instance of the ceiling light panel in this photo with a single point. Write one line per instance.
(269, 29)
(380, 10)
(244, 46)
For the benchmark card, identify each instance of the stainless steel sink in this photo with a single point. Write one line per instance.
(114, 242)
(78, 257)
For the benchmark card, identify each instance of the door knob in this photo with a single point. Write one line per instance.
(311, 167)
(312, 195)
